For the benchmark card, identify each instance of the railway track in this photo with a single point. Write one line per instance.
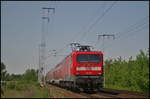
(96, 95)
(112, 93)
(103, 93)
(123, 93)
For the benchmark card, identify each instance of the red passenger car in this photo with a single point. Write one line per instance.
(80, 70)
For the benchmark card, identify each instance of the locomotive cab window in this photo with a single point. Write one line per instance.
(88, 58)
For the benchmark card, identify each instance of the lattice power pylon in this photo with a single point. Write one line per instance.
(42, 46)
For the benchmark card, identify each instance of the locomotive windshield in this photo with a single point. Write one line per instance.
(88, 58)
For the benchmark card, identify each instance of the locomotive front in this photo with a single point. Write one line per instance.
(88, 69)
(82, 69)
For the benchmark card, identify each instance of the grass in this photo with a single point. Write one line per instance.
(30, 90)
(23, 90)
(118, 87)
(56, 93)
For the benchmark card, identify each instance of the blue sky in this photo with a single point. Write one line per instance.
(21, 30)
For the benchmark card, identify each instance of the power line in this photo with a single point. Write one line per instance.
(101, 7)
(133, 33)
(127, 30)
(134, 29)
(98, 19)
(136, 26)
(78, 33)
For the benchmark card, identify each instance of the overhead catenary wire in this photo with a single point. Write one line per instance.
(128, 29)
(98, 19)
(139, 29)
(132, 29)
(78, 33)
(91, 19)
(133, 33)
(133, 26)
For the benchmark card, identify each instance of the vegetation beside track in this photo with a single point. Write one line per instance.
(21, 85)
(24, 90)
(130, 75)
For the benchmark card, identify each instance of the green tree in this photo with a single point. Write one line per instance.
(131, 75)
(30, 75)
(4, 74)
(15, 77)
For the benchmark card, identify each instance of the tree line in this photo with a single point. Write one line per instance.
(130, 75)
(29, 75)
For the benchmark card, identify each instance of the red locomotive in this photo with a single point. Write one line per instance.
(82, 69)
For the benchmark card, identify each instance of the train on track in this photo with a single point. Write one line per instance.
(81, 70)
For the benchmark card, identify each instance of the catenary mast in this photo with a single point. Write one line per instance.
(42, 47)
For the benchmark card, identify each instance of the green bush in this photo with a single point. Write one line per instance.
(131, 75)
(11, 86)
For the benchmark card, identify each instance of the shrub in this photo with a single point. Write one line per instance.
(11, 86)
(132, 75)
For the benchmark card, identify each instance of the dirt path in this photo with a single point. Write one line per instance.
(56, 92)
